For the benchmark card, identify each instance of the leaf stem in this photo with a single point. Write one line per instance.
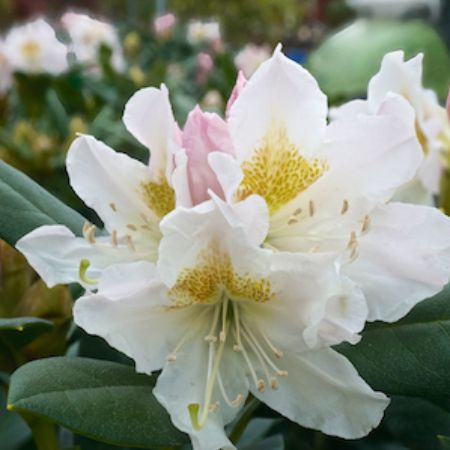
(44, 432)
(243, 419)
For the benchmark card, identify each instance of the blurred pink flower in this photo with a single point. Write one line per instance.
(205, 64)
(164, 25)
(240, 83)
(251, 57)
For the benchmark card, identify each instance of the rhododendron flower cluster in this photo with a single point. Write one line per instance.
(248, 247)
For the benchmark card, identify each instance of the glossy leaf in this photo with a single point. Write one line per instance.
(102, 400)
(361, 47)
(26, 206)
(410, 357)
(20, 331)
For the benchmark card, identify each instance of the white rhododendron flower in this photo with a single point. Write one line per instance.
(199, 32)
(5, 70)
(128, 196)
(251, 57)
(33, 48)
(405, 78)
(223, 317)
(248, 247)
(88, 35)
(327, 187)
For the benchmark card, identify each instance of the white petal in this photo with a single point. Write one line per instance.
(55, 253)
(228, 172)
(180, 181)
(131, 312)
(111, 183)
(323, 391)
(148, 117)
(280, 93)
(403, 259)
(183, 383)
(349, 109)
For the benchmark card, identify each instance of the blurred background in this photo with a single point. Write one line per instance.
(196, 48)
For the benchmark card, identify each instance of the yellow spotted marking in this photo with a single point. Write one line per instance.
(277, 172)
(160, 197)
(214, 273)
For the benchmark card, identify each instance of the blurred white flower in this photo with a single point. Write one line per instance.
(251, 57)
(5, 71)
(431, 123)
(164, 25)
(199, 32)
(33, 48)
(88, 35)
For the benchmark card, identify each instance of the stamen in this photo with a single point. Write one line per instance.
(297, 212)
(90, 234)
(132, 227)
(246, 358)
(84, 266)
(365, 225)
(86, 227)
(344, 207)
(292, 221)
(233, 403)
(114, 240)
(130, 243)
(210, 337)
(353, 245)
(277, 353)
(223, 335)
(311, 208)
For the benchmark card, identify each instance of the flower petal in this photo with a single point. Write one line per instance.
(148, 117)
(131, 312)
(114, 185)
(282, 94)
(323, 391)
(403, 259)
(56, 253)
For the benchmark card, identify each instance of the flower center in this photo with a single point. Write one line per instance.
(213, 275)
(31, 49)
(277, 172)
(160, 197)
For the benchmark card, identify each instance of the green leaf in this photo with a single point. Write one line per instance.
(26, 206)
(102, 400)
(20, 331)
(271, 443)
(361, 47)
(445, 442)
(410, 357)
(417, 422)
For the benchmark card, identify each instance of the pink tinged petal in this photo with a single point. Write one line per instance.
(111, 183)
(130, 311)
(280, 94)
(56, 253)
(148, 117)
(323, 391)
(241, 81)
(204, 133)
(403, 259)
(180, 180)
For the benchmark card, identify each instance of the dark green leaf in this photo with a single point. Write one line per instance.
(270, 443)
(26, 206)
(417, 422)
(445, 442)
(410, 357)
(20, 331)
(103, 400)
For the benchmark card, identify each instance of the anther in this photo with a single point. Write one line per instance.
(237, 348)
(213, 407)
(292, 221)
(113, 206)
(344, 206)
(90, 234)
(282, 373)
(298, 211)
(171, 357)
(210, 338)
(238, 400)
(273, 383)
(261, 385)
(114, 238)
(366, 223)
(86, 227)
(222, 336)
(130, 243)
(311, 208)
